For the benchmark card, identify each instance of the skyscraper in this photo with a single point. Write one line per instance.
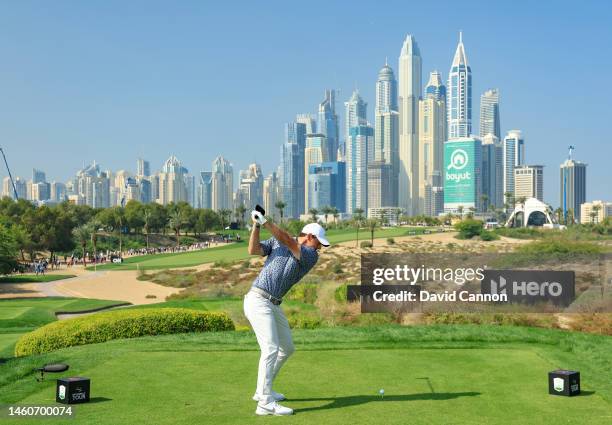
(172, 184)
(271, 194)
(492, 171)
(379, 187)
(38, 176)
(355, 113)
(386, 117)
(222, 184)
(328, 123)
(513, 156)
(359, 151)
(459, 95)
(143, 168)
(327, 185)
(489, 113)
(432, 135)
(205, 190)
(251, 186)
(316, 152)
(309, 121)
(572, 179)
(93, 186)
(58, 191)
(409, 93)
(529, 182)
(292, 169)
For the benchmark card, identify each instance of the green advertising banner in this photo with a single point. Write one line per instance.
(461, 164)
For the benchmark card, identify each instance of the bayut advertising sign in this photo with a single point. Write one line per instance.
(462, 168)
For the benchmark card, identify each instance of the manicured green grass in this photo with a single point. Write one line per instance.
(18, 316)
(27, 278)
(238, 251)
(430, 374)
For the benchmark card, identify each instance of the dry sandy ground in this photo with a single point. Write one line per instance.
(124, 285)
(428, 243)
(104, 285)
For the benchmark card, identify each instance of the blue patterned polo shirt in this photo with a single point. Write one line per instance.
(282, 270)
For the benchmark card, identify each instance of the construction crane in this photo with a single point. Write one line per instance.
(9, 173)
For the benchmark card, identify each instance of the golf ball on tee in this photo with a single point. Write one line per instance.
(381, 392)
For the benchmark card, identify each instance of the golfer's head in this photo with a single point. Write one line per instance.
(313, 235)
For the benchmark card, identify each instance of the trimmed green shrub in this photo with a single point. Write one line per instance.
(487, 236)
(366, 244)
(469, 228)
(390, 241)
(132, 323)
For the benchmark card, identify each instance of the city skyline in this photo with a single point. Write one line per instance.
(94, 133)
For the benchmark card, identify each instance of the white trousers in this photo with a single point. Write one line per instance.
(274, 338)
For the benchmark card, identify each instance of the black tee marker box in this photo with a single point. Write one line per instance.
(564, 382)
(72, 390)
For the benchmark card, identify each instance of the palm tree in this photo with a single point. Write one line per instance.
(595, 213)
(313, 214)
(460, 210)
(559, 214)
(372, 225)
(240, 210)
(448, 219)
(119, 220)
(94, 226)
(224, 214)
(484, 198)
(471, 213)
(509, 197)
(398, 213)
(147, 224)
(81, 234)
(358, 219)
(326, 210)
(176, 222)
(280, 206)
(335, 213)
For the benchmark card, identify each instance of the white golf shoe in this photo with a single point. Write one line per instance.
(276, 396)
(273, 408)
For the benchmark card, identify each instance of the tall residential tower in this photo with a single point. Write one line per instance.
(410, 68)
(386, 121)
(459, 95)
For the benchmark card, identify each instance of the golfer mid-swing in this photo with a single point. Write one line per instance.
(289, 259)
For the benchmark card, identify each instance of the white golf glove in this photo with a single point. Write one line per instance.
(258, 217)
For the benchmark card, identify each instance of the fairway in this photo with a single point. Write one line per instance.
(21, 315)
(238, 251)
(431, 375)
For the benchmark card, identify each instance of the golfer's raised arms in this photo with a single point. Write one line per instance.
(254, 245)
(284, 238)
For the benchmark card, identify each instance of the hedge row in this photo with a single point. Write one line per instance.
(133, 323)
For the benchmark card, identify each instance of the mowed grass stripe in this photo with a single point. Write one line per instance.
(238, 251)
(422, 386)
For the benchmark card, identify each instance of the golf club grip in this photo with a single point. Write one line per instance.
(260, 209)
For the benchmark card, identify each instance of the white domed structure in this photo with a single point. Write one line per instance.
(533, 213)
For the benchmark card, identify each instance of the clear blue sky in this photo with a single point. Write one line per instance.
(115, 80)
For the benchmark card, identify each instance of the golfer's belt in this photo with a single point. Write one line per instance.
(266, 295)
